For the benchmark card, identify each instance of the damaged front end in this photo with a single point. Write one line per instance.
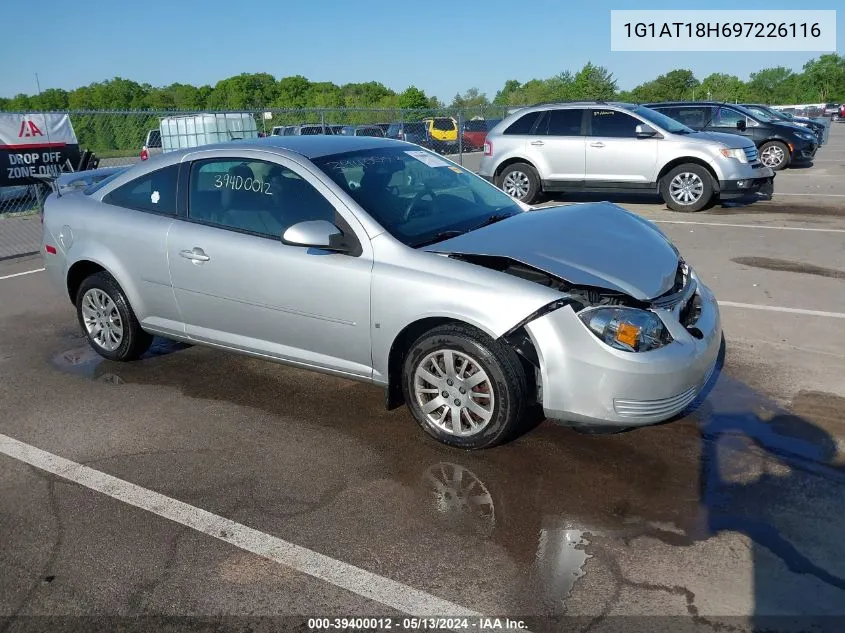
(621, 322)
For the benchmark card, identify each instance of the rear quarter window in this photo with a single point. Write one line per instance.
(154, 192)
(523, 124)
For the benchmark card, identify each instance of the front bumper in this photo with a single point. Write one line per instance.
(745, 180)
(804, 152)
(586, 382)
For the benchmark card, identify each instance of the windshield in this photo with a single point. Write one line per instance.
(417, 196)
(764, 114)
(652, 116)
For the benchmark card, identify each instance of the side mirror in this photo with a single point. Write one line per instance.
(740, 125)
(315, 234)
(644, 131)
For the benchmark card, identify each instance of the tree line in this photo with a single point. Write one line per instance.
(820, 80)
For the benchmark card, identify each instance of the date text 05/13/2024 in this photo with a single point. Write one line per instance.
(417, 624)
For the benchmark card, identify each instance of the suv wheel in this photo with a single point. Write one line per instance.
(774, 154)
(464, 388)
(687, 188)
(520, 181)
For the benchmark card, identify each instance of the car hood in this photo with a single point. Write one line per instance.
(596, 244)
(731, 141)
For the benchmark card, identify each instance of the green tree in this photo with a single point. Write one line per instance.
(593, 83)
(826, 77)
(244, 91)
(472, 98)
(723, 87)
(503, 96)
(412, 98)
(773, 85)
(675, 85)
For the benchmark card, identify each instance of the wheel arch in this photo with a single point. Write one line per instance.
(685, 160)
(91, 263)
(512, 161)
(517, 339)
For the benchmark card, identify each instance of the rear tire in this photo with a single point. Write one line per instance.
(484, 382)
(774, 154)
(107, 319)
(687, 188)
(520, 181)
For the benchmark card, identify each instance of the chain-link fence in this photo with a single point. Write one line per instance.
(118, 137)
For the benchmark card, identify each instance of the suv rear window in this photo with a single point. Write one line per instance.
(523, 124)
(565, 122)
(444, 125)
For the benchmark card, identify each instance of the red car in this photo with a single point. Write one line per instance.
(475, 132)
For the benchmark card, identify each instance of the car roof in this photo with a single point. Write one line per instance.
(309, 146)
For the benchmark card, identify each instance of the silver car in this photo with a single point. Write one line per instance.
(619, 148)
(377, 260)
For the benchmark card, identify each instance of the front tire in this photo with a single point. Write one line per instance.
(774, 154)
(687, 188)
(520, 181)
(108, 321)
(463, 388)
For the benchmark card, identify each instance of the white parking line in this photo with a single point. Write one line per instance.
(754, 306)
(354, 579)
(26, 272)
(813, 195)
(751, 226)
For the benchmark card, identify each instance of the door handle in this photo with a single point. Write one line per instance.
(597, 144)
(537, 143)
(195, 255)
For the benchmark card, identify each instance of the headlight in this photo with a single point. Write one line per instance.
(808, 137)
(628, 329)
(739, 154)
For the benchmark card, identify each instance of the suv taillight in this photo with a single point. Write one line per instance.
(488, 148)
(144, 154)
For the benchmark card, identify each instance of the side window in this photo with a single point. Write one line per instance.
(253, 196)
(613, 124)
(694, 117)
(564, 122)
(154, 192)
(726, 117)
(523, 124)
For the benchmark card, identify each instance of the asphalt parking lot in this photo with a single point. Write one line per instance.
(196, 483)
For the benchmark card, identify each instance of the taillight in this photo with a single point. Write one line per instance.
(50, 249)
(144, 154)
(488, 148)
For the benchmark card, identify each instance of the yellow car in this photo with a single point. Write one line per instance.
(443, 132)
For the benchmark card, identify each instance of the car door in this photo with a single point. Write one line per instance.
(556, 146)
(614, 154)
(238, 285)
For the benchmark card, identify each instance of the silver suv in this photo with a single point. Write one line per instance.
(619, 148)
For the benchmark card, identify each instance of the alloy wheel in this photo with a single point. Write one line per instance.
(102, 319)
(772, 156)
(454, 392)
(686, 188)
(516, 184)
